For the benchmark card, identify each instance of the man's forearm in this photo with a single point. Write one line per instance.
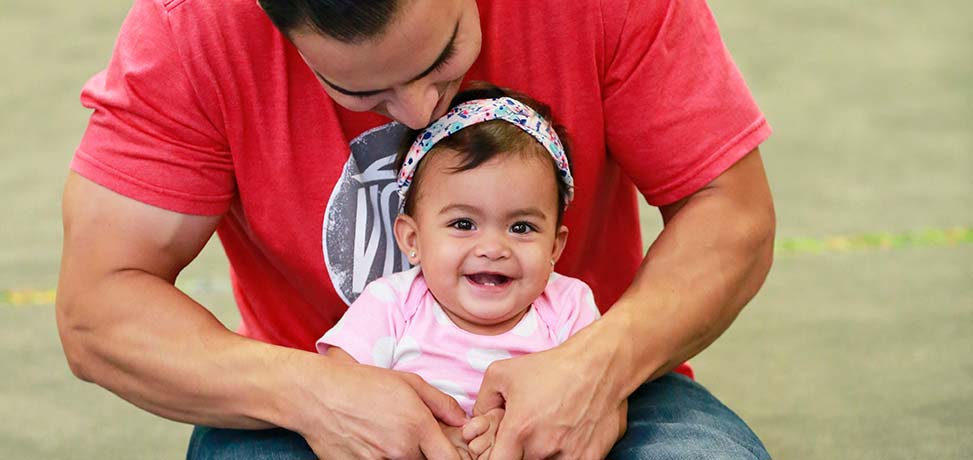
(125, 326)
(155, 347)
(708, 262)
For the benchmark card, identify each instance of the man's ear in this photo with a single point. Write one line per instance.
(407, 237)
(560, 240)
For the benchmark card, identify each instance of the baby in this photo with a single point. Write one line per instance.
(483, 192)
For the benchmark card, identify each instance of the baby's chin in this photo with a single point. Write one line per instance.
(489, 322)
(491, 317)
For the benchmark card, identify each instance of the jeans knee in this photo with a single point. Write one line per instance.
(673, 442)
(225, 444)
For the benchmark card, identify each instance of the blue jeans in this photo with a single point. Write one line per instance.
(670, 418)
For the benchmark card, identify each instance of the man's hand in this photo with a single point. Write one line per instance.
(455, 436)
(364, 412)
(560, 402)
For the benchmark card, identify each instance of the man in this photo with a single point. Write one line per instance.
(210, 117)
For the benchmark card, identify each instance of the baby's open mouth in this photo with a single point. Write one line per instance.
(488, 279)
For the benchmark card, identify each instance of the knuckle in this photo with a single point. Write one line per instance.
(410, 378)
(495, 369)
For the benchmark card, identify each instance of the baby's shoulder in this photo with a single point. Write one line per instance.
(564, 288)
(395, 291)
(562, 295)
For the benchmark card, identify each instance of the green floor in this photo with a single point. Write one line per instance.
(858, 347)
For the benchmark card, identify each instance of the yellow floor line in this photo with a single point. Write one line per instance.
(864, 242)
(880, 241)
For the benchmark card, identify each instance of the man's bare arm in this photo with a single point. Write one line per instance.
(709, 261)
(711, 258)
(126, 327)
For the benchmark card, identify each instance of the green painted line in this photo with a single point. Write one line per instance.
(882, 241)
(864, 242)
(26, 298)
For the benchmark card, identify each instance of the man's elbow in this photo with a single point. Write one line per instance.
(758, 236)
(765, 232)
(73, 340)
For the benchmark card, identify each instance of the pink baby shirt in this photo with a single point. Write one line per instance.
(397, 324)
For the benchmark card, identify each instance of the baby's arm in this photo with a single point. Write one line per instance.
(481, 432)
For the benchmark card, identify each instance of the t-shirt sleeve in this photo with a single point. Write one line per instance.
(369, 330)
(149, 136)
(576, 308)
(677, 111)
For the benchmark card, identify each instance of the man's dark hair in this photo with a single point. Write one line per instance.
(349, 21)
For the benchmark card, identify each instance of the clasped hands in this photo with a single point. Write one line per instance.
(543, 405)
(553, 404)
(556, 404)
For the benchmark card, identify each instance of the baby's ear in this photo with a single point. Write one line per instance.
(560, 240)
(407, 237)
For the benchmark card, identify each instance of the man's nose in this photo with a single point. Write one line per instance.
(413, 104)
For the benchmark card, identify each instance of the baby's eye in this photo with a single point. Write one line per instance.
(522, 227)
(462, 224)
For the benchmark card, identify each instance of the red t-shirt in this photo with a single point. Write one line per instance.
(206, 109)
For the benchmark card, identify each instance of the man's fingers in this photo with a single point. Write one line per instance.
(442, 406)
(486, 400)
(490, 395)
(435, 445)
(506, 446)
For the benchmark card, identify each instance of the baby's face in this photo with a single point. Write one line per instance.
(486, 237)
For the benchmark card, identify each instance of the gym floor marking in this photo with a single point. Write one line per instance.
(863, 242)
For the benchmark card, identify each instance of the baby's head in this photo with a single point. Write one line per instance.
(482, 206)
(477, 143)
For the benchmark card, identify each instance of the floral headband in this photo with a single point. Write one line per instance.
(478, 111)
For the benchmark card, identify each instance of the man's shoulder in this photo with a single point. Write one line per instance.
(215, 38)
(561, 5)
(196, 7)
(227, 19)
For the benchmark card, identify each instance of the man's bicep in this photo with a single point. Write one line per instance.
(106, 232)
(695, 114)
(744, 182)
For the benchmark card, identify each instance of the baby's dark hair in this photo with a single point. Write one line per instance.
(479, 143)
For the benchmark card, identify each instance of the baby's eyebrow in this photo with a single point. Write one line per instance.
(527, 212)
(516, 213)
(459, 207)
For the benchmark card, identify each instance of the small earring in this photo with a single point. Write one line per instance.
(552, 262)
(412, 254)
